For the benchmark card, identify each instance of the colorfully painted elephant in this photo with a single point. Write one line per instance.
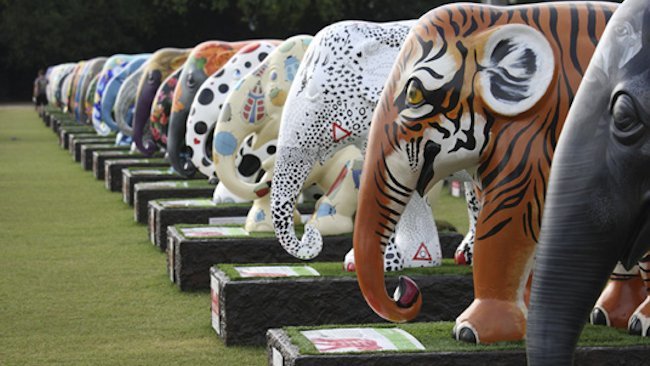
(161, 110)
(63, 85)
(56, 81)
(252, 112)
(89, 98)
(71, 87)
(110, 96)
(89, 71)
(113, 66)
(205, 59)
(485, 89)
(598, 205)
(329, 109)
(124, 107)
(161, 64)
(210, 98)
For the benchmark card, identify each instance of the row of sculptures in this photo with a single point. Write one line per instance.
(544, 109)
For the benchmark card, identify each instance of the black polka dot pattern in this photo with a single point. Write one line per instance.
(223, 88)
(200, 127)
(206, 96)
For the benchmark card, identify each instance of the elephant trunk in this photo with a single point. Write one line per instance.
(382, 200)
(126, 98)
(292, 168)
(177, 152)
(144, 142)
(577, 251)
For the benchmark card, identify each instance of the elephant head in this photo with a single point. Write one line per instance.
(59, 82)
(161, 110)
(598, 205)
(254, 107)
(485, 89)
(72, 87)
(329, 108)
(210, 99)
(204, 60)
(68, 86)
(111, 68)
(126, 97)
(89, 98)
(162, 63)
(109, 98)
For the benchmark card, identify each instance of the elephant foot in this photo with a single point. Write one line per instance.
(619, 299)
(465, 250)
(639, 323)
(489, 321)
(348, 262)
(393, 260)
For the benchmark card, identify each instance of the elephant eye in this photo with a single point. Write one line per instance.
(414, 95)
(626, 127)
(190, 80)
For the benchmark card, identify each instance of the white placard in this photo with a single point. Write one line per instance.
(240, 220)
(202, 202)
(344, 340)
(215, 307)
(277, 271)
(212, 231)
(278, 360)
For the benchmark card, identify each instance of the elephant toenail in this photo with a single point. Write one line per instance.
(598, 317)
(467, 335)
(635, 326)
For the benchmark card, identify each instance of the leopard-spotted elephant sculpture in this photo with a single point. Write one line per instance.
(598, 200)
(254, 107)
(485, 89)
(124, 107)
(205, 59)
(161, 64)
(205, 111)
(331, 108)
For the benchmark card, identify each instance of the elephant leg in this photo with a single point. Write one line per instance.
(624, 292)
(503, 258)
(393, 258)
(465, 250)
(259, 216)
(223, 195)
(639, 323)
(334, 211)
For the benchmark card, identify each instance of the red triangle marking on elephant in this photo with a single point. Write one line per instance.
(339, 133)
(422, 254)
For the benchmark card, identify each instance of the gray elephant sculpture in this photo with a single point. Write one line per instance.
(598, 200)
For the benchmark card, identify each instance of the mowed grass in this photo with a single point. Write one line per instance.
(79, 282)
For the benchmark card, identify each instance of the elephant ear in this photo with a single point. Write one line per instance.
(517, 67)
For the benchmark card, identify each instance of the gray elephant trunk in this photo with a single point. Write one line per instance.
(292, 167)
(178, 153)
(576, 253)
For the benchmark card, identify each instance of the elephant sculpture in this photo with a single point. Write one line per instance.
(205, 59)
(485, 89)
(56, 80)
(89, 71)
(89, 98)
(124, 107)
(329, 109)
(597, 210)
(71, 87)
(161, 64)
(110, 96)
(210, 98)
(113, 66)
(251, 116)
(161, 109)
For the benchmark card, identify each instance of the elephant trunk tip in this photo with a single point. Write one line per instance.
(407, 293)
(183, 165)
(148, 147)
(311, 243)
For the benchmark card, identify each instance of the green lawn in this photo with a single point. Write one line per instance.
(80, 284)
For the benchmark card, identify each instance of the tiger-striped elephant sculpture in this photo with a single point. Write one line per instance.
(161, 64)
(598, 205)
(328, 109)
(205, 59)
(251, 115)
(485, 89)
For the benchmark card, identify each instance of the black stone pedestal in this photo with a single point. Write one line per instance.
(148, 191)
(133, 176)
(189, 258)
(75, 140)
(113, 170)
(100, 158)
(244, 309)
(283, 351)
(65, 132)
(167, 212)
(88, 150)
